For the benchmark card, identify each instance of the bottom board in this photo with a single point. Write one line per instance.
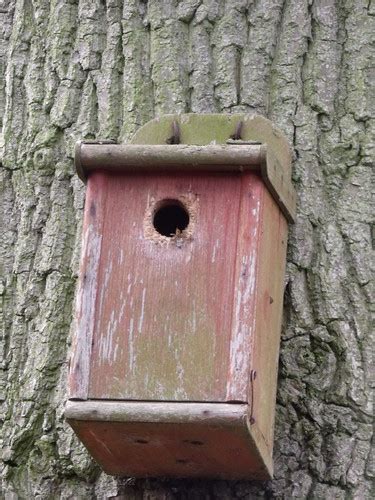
(186, 440)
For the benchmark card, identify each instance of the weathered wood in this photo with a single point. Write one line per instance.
(279, 185)
(157, 412)
(267, 315)
(178, 157)
(170, 296)
(182, 315)
(172, 450)
(85, 313)
(270, 153)
(245, 279)
(203, 129)
(118, 158)
(217, 128)
(169, 439)
(100, 69)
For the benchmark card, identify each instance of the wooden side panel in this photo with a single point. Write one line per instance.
(245, 279)
(279, 185)
(172, 450)
(269, 305)
(164, 308)
(87, 286)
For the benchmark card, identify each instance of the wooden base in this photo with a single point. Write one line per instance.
(147, 439)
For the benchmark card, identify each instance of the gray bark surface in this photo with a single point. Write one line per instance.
(98, 69)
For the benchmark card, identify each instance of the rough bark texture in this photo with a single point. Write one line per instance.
(102, 69)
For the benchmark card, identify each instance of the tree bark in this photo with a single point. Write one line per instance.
(97, 69)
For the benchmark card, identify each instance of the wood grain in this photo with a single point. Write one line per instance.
(164, 308)
(157, 412)
(273, 232)
(218, 446)
(88, 286)
(139, 157)
(245, 279)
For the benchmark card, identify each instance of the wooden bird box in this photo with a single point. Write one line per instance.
(179, 304)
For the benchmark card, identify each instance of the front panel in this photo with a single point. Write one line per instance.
(164, 301)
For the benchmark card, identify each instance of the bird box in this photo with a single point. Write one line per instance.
(179, 303)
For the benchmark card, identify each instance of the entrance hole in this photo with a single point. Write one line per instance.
(170, 218)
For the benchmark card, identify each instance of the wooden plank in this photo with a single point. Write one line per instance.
(245, 279)
(157, 412)
(172, 450)
(264, 449)
(164, 308)
(88, 286)
(184, 157)
(268, 315)
(177, 157)
(204, 129)
(279, 185)
(205, 416)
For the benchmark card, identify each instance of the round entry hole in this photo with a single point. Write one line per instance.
(170, 218)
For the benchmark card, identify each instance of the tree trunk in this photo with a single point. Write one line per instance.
(101, 69)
